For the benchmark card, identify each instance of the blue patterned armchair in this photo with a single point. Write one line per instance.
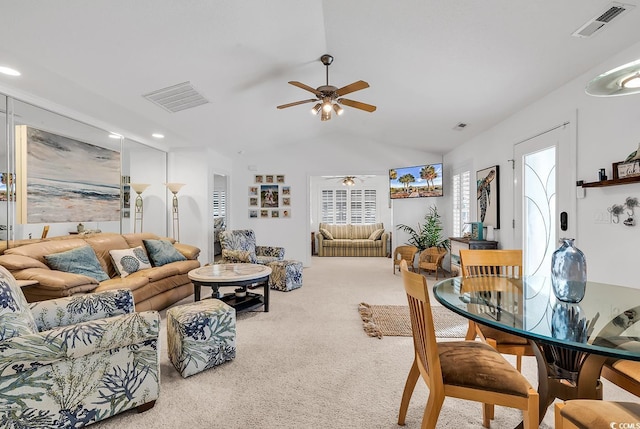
(239, 245)
(69, 362)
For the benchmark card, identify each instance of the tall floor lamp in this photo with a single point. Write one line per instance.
(175, 215)
(139, 188)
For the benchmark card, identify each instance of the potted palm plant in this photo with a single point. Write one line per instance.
(429, 234)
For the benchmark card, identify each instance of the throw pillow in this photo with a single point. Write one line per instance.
(162, 252)
(233, 256)
(81, 260)
(375, 235)
(15, 317)
(128, 261)
(326, 234)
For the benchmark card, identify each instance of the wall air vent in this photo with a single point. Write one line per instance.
(594, 25)
(177, 97)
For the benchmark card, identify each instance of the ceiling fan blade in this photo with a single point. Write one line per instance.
(295, 103)
(306, 87)
(357, 104)
(355, 86)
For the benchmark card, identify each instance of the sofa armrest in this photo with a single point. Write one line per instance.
(189, 252)
(18, 354)
(81, 308)
(276, 252)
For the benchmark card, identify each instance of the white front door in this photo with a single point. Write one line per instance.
(545, 193)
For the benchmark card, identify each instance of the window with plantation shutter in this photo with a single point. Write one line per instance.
(370, 205)
(461, 201)
(342, 206)
(219, 203)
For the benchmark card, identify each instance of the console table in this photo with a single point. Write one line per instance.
(458, 243)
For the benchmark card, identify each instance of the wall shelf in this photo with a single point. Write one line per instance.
(612, 182)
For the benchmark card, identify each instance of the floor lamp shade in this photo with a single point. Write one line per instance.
(139, 188)
(174, 188)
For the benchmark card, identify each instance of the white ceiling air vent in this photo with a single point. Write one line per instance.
(177, 97)
(613, 10)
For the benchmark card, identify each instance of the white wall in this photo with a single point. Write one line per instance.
(333, 155)
(195, 168)
(607, 130)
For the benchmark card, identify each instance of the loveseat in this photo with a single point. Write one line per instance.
(352, 240)
(154, 285)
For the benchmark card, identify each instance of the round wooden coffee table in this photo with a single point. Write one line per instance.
(241, 276)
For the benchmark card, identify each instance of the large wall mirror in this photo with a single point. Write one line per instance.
(61, 175)
(220, 195)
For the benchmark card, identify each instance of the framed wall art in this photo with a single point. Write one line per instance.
(269, 196)
(488, 196)
(65, 180)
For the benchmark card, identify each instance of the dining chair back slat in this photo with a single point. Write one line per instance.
(486, 263)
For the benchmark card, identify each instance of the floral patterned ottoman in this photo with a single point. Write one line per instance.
(285, 275)
(201, 335)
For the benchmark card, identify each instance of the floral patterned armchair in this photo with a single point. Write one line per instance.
(239, 245)
(69, 362)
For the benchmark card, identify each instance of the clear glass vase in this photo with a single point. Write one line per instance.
(568, 272)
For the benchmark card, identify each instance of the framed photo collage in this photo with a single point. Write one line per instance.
(269, 197)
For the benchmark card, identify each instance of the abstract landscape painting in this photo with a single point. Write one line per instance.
(68, 180)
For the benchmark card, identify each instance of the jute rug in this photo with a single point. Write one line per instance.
(393, 320)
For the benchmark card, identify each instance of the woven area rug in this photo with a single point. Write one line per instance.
(393, 320)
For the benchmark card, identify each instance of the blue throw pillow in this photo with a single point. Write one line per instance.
(81, 260)
(162, 252)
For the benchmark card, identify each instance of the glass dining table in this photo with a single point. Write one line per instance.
(571, 342)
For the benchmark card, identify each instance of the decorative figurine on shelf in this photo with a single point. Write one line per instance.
(634, 155)
(80, 228)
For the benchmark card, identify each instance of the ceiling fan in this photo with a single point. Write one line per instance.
(348, 180)
(329, 97)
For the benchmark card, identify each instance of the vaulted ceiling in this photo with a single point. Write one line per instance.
(430, 64)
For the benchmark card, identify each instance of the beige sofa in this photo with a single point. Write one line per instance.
(352, 240)
(153, 288)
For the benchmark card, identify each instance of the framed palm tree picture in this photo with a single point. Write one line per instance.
(416, 182)
(488, 196)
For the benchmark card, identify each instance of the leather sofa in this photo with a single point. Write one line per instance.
(352, 240)
(152, 288)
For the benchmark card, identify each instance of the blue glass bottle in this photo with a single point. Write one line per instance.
(568, 272)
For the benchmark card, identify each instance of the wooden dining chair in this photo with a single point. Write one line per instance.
(469, 370)
(508, 263)
(595, 414)
(404, 253)
(623, 373)
(431, 259)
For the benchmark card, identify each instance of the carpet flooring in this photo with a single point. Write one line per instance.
(307, 364)
(394, 320)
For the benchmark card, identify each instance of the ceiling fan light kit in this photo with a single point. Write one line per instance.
(623, 80)
(329, 97)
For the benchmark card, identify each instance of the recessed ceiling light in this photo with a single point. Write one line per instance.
(9, 71)
(115, 136)
(157, 135)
